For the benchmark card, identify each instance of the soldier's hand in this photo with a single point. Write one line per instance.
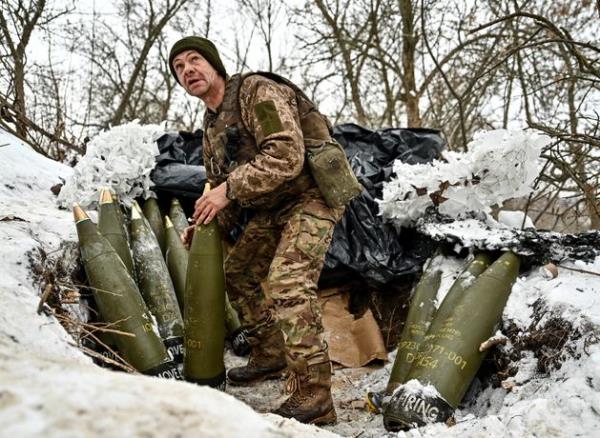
(187, 235)
(209, 204)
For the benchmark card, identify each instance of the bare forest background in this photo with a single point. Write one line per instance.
(69, 69)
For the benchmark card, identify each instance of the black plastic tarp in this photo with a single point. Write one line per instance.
(179, 169)
(362, 243)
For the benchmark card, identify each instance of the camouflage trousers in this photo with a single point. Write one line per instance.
(273, 269)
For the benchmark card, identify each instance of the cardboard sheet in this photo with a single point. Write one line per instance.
(352, 342)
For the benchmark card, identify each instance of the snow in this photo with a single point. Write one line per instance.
(471, 232)
(451, 268)
(514, 219)
(415, 387)
(573, 295)
(48, 387)
(564, 404)
(120, 158)
(499, 165)
(26, 179)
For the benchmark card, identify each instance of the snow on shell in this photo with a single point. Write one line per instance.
(121, 158)
(499, 165)
(47, 386)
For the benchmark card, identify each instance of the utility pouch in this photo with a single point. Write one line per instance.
(332, 173)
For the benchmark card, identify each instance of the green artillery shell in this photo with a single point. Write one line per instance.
(232, 320)
(122, 218)
(177, 216)
(155, 219)
(119, 300)
(112, 227)
(420, 313)
(204, 309)
(156, 285)
(479, 264)
(177, 260)
(449, 356)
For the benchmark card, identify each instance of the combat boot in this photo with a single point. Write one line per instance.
(310, 388)
(266, 361)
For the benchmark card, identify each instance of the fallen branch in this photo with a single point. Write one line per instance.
(10, 113)
(121, 363)
(87, 286)
(582, 271)
(44, 298)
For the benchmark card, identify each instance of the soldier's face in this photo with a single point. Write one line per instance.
(194, 73)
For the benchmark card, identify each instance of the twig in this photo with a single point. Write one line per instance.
(535, 186)
(44, 297)
(80, 286)
(16, 114)
(97, 355)
(583, 271)
(446, 81)
(492, 342)
(103, 329)
(387, 338)
(123, 363)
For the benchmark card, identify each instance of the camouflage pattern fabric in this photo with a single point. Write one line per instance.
(255, 142)
(266, 166)
(287, 248)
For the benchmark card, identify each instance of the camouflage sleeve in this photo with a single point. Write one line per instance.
(269, 112)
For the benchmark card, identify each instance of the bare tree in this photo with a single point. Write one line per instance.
(18, 21)
(265, 14)
(382, 51)
(131, 79)
(558, 77)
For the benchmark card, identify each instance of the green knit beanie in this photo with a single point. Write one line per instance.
(201, 45)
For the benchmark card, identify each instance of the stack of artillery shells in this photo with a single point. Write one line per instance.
(119, 301)
(155, 283)
(140, 288)
(449, 356)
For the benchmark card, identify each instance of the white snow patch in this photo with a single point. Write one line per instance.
(451, 268)
(572, 295)
(415, 387)
(47, 386)
(514, 219)
(121, 158)
(472, 233)
(499, 165)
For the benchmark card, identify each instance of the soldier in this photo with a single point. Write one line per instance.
(256, 127)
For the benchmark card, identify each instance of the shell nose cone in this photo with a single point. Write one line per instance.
(78, 213)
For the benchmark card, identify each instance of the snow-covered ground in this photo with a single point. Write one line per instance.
(48, 387)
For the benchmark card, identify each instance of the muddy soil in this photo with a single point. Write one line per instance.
(348, 389)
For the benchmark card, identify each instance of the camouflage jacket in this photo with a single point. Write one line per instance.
(256, 141)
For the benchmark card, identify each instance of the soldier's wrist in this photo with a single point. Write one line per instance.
(228, 193)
